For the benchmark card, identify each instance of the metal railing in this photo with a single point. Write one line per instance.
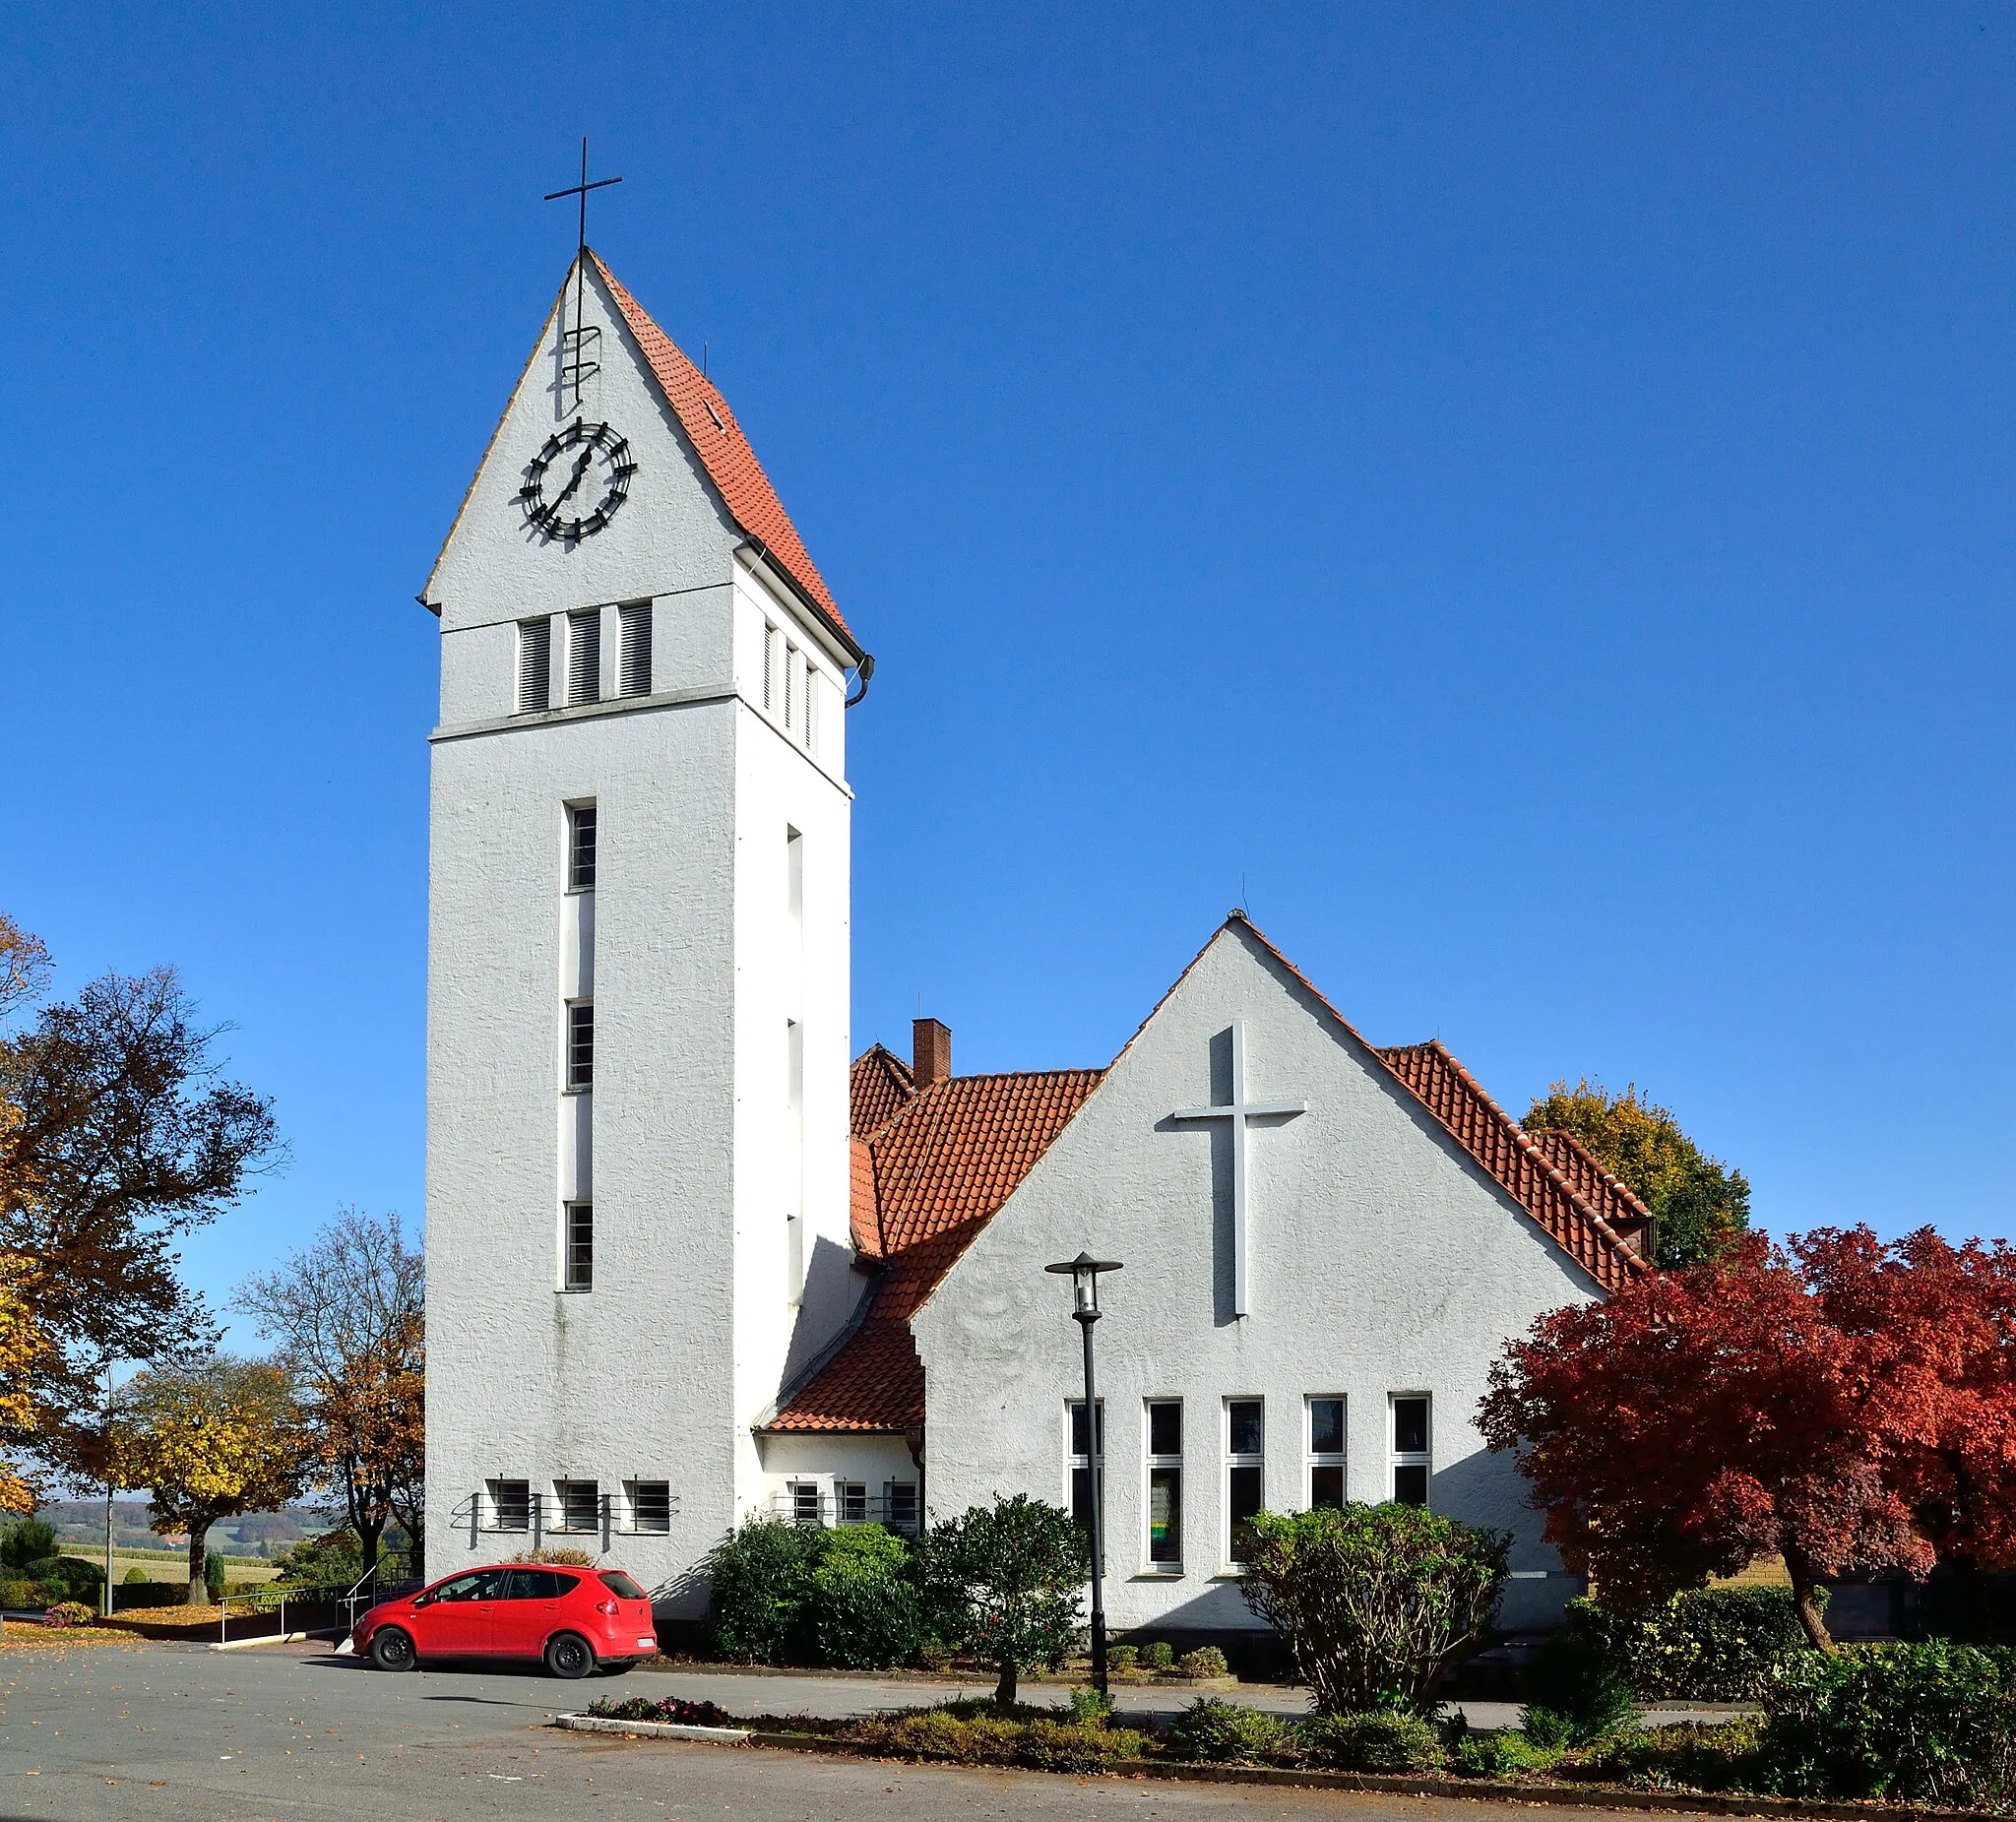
(540, 1517)
(808, 1505)
(316, 1609)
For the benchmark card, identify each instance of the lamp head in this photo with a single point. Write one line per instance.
(1084, 1271)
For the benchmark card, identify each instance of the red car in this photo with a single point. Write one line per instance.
(576, 1619)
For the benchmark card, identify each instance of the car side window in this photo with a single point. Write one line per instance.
(562, 1584)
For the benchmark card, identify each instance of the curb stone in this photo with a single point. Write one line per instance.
(1478, 1790)
(652, 1729)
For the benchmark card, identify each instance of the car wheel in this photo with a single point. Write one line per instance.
(393, 1650)
(570, 1656)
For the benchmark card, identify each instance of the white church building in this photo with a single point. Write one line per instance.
(689, 1261)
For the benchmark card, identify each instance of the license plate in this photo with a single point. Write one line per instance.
(649, 1644)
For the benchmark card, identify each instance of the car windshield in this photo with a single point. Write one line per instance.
(621, 1586)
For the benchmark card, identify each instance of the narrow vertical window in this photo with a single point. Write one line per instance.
(812, 698)
(1410, 1457)
(900, 1503)
(803, 1501)
(1326, 1452)
(1079, 1458)
(794, 1118)
(772, 686)
(578, 1265)
(634, 657)
(1166, 1483)
(793, 685)
(1244, 1460)
(581, 847)
(535, 665)
(581, 1043)
(852, 1497)
(585, 657)
(650, 1505)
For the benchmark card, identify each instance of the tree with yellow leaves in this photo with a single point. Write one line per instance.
(212, 1440)
(22, 1348)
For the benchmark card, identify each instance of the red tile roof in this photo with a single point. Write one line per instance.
(940, 1166)
(730, 463)
(880, 1087)
(942, 1160)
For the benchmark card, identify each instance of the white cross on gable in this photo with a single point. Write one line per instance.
(1236, 1112)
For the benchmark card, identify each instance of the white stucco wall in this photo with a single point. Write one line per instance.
(659, 1371)
(1383, 1261)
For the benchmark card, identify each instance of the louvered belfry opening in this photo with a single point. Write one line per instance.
(636, 650)
(585, 657)
(535, 665)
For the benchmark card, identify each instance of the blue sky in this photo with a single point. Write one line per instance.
(1521, 494)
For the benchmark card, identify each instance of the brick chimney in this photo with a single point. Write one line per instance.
(930, 1051)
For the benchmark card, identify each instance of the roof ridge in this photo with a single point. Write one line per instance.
(737, 474)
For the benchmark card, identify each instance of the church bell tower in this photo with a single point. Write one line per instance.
(637, 1218)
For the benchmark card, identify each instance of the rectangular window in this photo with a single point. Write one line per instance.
(1244, 1458)
(509, 1505)
(580, 1505)
(1079, 1457)
(581, 847)
(811, 696)
(578, 1270)
(772, 658)
(852, 1496)
(535, 665)
(802, 1500)
(899, 1501)
(1326, 1452)
(634, 658)
(1166, 1483)
(585, 657)
(650, 1505)
(793, 685)
(1410, 1457)
(581, 1043)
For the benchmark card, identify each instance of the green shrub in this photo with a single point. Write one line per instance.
(1708, 1644)
(1224, 1732)
(131, 1595)
(1545, 1727)
(1122, 1658)
(214, 1574)
(24, 1543)
(1690, 1756)
(1377, 1602)
(862, 1609)
(1387, 1740)
(135, 1574)
(1157, 1656)
(1006, 1581)
(1577, 1678)
(1501, 1755)
(1089, 1704)
(988, 1739)
(331, 1559)
(761, 1586)
(935, 1655)
(1205, 1660)
(1933, 1723)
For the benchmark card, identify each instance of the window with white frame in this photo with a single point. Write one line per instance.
(1166, 1484)
(803, 1498)
(1245, 1461)
(1326, 1451)
(1409, 1443)
(535, 665)
(1078, 1456)
(811, 694)
(633, 657)
(578, 1505)
(581, 847)
(852, 1499)
(577, 1262)
(509, 1505)
(581, 1043)
(773, 668)
(650, 1505)
(585, 657)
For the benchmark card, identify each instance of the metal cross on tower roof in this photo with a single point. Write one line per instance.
(576, 368)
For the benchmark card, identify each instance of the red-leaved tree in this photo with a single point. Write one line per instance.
(1696, 1420)
(1938, 1322)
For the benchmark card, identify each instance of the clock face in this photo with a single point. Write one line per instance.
(575, 484)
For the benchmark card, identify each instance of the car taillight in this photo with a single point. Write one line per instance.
(606, 1606)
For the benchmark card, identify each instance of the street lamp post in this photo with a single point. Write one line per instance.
(1084, 1271)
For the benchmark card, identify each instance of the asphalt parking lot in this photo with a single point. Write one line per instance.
(294, 1734)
